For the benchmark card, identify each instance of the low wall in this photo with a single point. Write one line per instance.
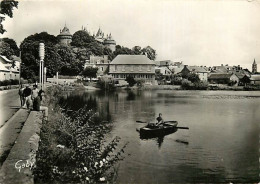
(61, 81)
(18, 166)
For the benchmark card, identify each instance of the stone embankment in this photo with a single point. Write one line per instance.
(18, 166)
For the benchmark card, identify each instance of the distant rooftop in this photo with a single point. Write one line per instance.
(132, 59)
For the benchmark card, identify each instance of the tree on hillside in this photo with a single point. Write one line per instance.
(108, 51)
(137, 50)
(6, 9)
(12, 44)
(81, 39)
(149, 52)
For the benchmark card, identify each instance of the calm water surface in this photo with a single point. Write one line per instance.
(220, 146)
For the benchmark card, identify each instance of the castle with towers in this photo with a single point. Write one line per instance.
(65, 38)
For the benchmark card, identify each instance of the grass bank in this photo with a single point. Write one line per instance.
(73, 148)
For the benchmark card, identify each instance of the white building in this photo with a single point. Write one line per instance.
(8, 70)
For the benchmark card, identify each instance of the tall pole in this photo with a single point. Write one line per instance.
(20, 55)
(40, 74)
(45, 71)
(41, 54)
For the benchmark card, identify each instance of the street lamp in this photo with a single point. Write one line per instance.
(41, 54)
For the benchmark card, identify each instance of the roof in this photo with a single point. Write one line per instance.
(239, 75)
(177, 70)
(65, 32)
(5, 59)
(220, 69)
(132, 59)
(219, 76)
(197, 69)
(255, 77)
(15, 58)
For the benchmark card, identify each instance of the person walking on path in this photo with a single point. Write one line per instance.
(20, 92)
(35, 92)
(37, 106)
(27, 95)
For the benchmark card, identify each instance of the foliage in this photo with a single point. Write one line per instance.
(72, 147)
(137, 50)
(12, 46)
(6, 49)
(6, 8)
(149, 52)
(106, 84)
(201, 85)
(186, 84)
(90, 72)
(193, 77)
(30, 55)
(9, 82)
(130, 80)
(81, 39)
(176, 79)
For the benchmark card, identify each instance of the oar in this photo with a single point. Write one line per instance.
(140, 122)
(182, 127)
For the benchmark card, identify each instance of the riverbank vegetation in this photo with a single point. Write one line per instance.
(73, 148)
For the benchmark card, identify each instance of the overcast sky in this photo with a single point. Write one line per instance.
(201, 32)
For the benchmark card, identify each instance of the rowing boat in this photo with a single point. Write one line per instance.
(153, 131)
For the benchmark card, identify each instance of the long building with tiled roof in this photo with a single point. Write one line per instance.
(139, 67)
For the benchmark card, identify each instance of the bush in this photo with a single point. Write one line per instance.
(202, 85)
(186, 84)
(130, 80)
(5, 82)
(72, 148)
(14, 81)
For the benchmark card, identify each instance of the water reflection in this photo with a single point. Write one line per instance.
(221, 145)
(158, 138)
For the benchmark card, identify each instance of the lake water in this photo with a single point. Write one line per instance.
(222, 144)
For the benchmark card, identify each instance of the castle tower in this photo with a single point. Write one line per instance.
(254, 67)
(110, 43)
(65, 37)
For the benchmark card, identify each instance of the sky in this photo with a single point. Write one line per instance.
(201, 32)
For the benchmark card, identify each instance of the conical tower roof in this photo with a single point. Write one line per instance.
(65, 31)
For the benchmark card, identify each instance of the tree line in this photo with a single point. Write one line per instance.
(67, 60)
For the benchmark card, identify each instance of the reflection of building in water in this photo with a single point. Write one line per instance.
(138, 66)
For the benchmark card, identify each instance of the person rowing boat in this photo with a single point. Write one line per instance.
(159, 120)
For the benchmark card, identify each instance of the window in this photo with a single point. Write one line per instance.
(140, 67)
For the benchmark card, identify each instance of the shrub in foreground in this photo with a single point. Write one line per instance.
(73, 148)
